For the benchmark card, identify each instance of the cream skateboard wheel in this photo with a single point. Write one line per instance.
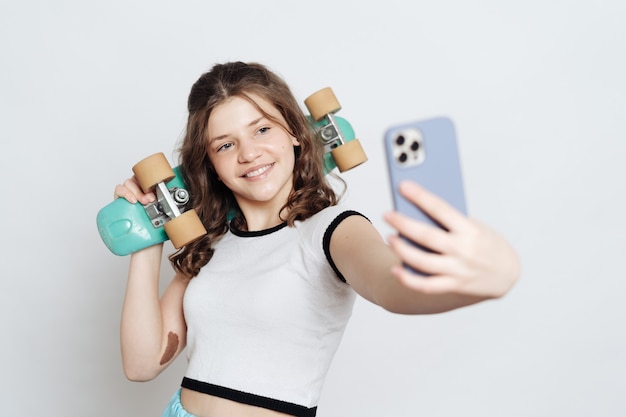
(349, 155)
(184, 229)
(153, 170)
(322, 103)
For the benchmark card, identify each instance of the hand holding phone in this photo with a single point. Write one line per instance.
(425, 152)
(476, 261)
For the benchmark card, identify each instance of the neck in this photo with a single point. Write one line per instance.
(262, 217)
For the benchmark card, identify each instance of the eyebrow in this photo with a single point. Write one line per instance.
(220, 137)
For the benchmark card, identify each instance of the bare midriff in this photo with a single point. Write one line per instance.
(205, 405)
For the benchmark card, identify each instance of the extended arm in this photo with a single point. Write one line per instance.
(470, 262)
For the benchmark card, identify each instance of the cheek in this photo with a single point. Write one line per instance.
(220, 166)
(289, 152)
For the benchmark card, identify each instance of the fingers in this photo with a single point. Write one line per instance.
(436, 208)
(426, 235)
(479, 263)
(131, 191)
(437, 274)
(123, 192)
(421, 260)
(467, 258)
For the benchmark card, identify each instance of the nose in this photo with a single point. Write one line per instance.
(248, 151)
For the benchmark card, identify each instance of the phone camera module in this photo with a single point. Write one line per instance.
(408, 149)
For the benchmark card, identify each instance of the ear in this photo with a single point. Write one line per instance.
(295, 141)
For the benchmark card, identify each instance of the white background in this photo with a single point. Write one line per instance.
(538, 93)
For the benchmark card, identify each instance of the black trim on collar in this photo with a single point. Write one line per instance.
(328, 234)
(250, 399)
(255, 233)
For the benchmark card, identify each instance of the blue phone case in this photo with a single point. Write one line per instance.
(425, 152)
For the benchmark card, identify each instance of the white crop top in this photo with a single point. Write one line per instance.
(266, 315)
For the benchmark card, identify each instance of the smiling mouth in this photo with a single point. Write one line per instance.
(257, 172)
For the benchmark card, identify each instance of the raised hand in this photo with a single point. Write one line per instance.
(467, 258)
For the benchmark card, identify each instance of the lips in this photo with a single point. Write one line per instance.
(255, 172)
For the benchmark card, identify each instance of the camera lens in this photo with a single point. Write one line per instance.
(402, 158)
(400, 140)
(415, 146)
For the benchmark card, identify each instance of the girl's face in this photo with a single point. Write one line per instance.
(252, 155)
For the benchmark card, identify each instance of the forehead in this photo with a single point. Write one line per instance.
(233, 115)
(242, 109)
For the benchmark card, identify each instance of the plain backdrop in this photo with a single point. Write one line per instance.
(537, 90)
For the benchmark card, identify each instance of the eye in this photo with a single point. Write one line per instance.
(263, 130)
(224, 147)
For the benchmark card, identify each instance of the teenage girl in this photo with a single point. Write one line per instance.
(261, 301)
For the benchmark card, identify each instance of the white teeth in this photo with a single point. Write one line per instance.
(257, 172)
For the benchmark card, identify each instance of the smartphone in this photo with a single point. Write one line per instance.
(425, 152)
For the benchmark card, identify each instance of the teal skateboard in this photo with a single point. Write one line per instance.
(126, 228)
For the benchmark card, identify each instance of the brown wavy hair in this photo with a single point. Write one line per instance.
(213, 201)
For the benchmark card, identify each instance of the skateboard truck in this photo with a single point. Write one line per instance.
(341, 148)
(168, 205)
(330, 133)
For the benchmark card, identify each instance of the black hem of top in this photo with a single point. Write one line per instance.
(255, 233)
(328, 234)
(250, 399)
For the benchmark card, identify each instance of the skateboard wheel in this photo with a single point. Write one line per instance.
(322, 103)
(349, 155)
(184, 229)
(153, 170)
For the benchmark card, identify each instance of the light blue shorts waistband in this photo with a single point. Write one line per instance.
(175, 407)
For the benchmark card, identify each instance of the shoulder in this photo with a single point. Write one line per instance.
(327, 220)
(316, 232)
